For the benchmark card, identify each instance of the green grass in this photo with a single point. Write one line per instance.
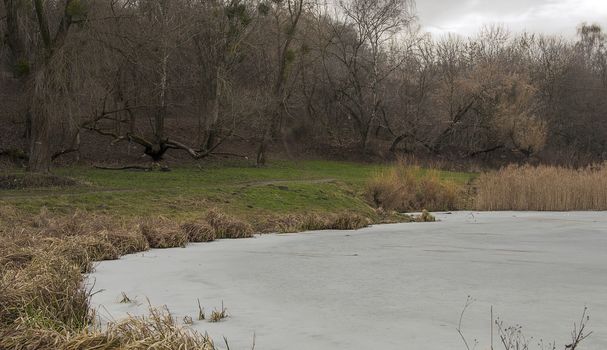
(282, 187)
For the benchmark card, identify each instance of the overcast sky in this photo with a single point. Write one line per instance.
(547, 16)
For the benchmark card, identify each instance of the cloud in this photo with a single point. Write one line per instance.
(547, 16)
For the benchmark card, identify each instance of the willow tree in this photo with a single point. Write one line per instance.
(42, 67)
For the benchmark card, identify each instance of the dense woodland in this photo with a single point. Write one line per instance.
(102, 80)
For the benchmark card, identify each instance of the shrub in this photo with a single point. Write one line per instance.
(543, 188)
(408, 188)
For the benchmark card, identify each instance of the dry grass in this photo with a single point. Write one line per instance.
(315, 221)
(349, 221)
(83, 250)
(159, 330)
(226, 226)
(218, 315)
(126, 241)
(45, 293)
(43, 304)
(163, 233)
(43, 301)
(198, 231)
(294, 223)
(543, 188)
(401, 188)
(425, 216)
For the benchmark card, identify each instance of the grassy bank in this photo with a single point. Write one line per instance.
(243, 190)
(50, 235)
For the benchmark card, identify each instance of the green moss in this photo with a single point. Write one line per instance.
(76, 9)
(22, 68)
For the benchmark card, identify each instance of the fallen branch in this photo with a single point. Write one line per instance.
(134, 167)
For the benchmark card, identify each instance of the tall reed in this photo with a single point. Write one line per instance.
(543, 188)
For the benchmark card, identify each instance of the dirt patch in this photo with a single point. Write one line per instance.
(21, 181)
(283, 183)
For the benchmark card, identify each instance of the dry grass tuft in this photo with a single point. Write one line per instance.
(15, 251)
(8, 214)
(543, 188)
(228, 227)
(403, 189)
(391, 216)
(158, 331)
(83, 250)
(125, 299)
(218, 315)
(295, 223)
(201, 315)
(198, 231)
(425, 216)
(126, 241)
(163, 233)
(78, 223)
(313, 222)
(46, 293)
(349, 221)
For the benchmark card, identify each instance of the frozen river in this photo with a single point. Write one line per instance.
(400, 286)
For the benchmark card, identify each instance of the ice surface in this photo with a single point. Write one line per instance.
(400, 286)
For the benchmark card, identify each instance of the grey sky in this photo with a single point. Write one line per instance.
(548, 16)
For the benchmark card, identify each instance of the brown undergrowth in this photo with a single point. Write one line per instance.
(43, 301)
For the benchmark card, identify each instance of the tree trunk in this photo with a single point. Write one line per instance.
(364, 138)
(397, 142)
(40, 147)
(213, 108)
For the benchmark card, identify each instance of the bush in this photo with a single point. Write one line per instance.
(407, 188)
(543, 188)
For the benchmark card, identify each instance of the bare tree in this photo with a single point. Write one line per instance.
(360, 45)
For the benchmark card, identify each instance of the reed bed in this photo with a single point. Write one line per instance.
(543, 188)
